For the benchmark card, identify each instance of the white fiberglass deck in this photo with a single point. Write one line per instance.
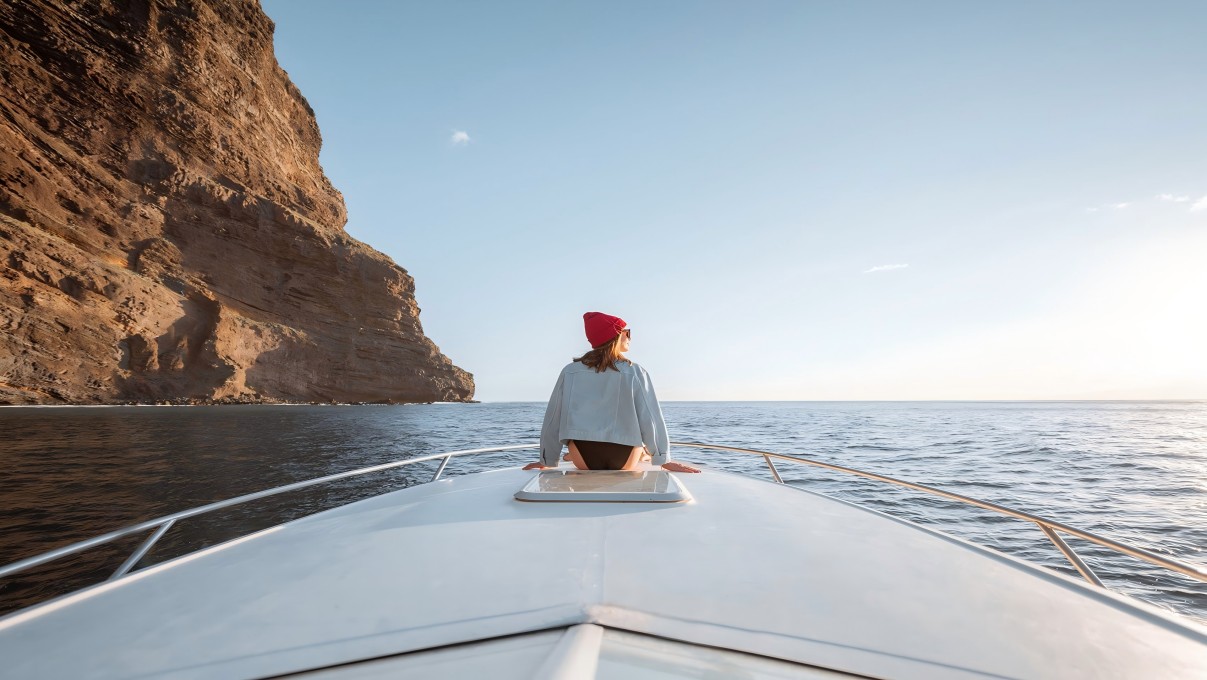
(747, 565)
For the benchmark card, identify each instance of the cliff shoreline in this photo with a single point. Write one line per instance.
(166, 231)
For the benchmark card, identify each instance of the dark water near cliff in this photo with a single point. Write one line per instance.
(1133, 471)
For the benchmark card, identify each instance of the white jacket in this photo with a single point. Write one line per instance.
(612, 406)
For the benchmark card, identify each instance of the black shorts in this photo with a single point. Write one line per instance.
(603, 455)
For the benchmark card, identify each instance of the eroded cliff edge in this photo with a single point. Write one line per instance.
(166, 232)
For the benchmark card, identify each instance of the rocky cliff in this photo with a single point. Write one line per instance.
(166, 232)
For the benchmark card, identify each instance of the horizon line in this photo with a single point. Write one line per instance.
(858, 401)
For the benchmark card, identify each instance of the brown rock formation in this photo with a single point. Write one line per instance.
(166, 232)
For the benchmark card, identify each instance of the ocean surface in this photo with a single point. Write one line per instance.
(1132, 471)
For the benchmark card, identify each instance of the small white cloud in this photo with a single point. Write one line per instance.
(459, 138)
(1091, 209)
(1120, 206)
(885, 268)
(1200, 204)
(1172, 198)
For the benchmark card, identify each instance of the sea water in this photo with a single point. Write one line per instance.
(1132, 471)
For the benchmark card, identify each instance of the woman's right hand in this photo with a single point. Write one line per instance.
(535, 466)
(679, 467)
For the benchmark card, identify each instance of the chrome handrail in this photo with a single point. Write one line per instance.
(1049, 527)
(164, 523)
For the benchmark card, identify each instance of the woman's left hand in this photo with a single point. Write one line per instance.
(536, 466)
(679, 467)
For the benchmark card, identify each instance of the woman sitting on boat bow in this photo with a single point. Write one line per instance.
(604, 409)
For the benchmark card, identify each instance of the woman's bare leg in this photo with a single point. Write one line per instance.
(575, 457)
(634, 462)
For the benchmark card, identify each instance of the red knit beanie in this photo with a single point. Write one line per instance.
(601, 327)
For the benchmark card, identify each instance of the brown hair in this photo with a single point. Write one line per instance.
(605, 356)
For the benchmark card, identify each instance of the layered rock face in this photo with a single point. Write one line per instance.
(166, 232)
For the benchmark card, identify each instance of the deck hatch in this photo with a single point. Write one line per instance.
(607, 486)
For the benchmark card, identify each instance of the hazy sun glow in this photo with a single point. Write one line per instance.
(1136, 328)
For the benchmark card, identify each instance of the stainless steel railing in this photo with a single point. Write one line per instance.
(1049, 527)
(162, 524)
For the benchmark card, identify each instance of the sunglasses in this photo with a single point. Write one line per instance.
(628, 332)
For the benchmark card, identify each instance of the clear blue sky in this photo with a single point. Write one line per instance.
(744, 181)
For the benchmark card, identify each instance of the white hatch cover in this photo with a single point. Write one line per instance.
(614, 486)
